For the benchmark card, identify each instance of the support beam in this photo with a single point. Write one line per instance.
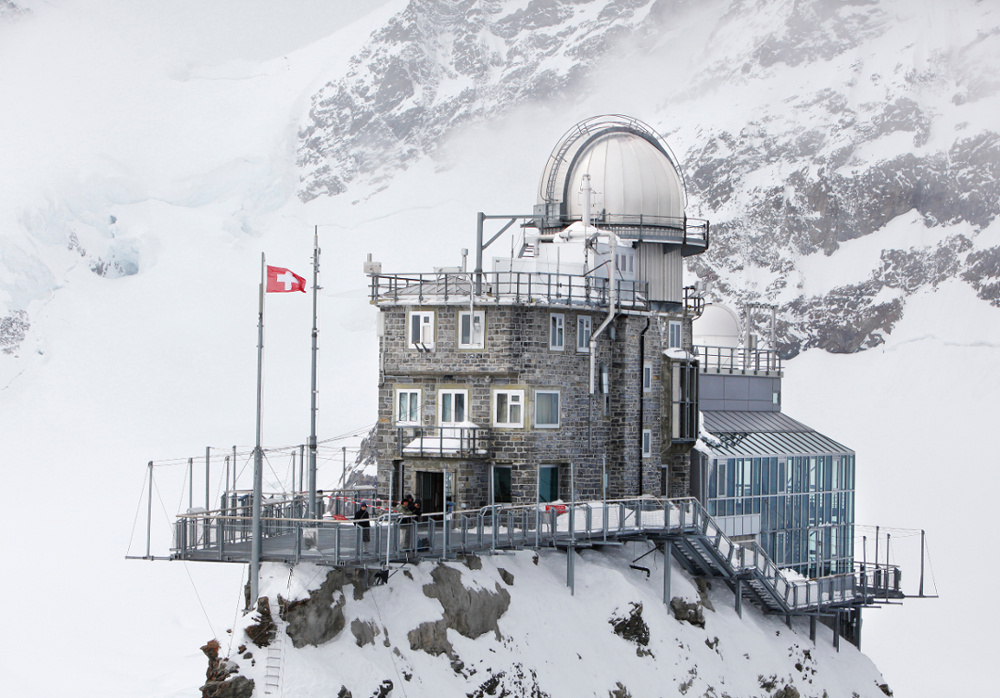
(812, 629)
(570, 571)
(739, 597)
(668, 550)
(836, 631)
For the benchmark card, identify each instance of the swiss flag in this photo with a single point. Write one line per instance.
(280, 280)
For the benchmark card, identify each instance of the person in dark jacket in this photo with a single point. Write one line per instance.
(362, 519)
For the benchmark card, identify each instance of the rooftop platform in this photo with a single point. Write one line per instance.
(505, 287)
(738, 361)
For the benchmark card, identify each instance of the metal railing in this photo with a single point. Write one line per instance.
(737, 360)
(507, 286)
(219, 535)
(443, 442)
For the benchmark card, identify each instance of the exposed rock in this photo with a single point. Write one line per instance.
(364, 632)
(319, 618)
(884, 687)
(507, 577)
(516, 682)
(220, 681)
(13, 329)
(469, 612)
(263, 632)
(687, 612)
(631, 626)
(344, 693)
(384, 689)
(788, 691)
(619, 691)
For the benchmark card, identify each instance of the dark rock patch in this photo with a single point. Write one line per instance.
(687, 612)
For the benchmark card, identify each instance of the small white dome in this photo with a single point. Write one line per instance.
(718, 326)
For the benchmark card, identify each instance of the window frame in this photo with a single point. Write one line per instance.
(547, 425)
(473, 315)
(557, 331)
(464, 392)
(423, 314)
(395, 407)
(509, 392)
(584, 328)
(647, 377)
(675, 326)
(647, 443)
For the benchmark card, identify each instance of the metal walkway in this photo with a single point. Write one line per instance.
(680, 526)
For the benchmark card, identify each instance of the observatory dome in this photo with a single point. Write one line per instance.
(718, 326)
(634, 177)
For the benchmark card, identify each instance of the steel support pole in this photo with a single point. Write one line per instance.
(570, 571)
(922, 542)
(190, 484)
(258, 459)
(149, 509)
(739, 597)
(888, 538)
(447, 525)
(538, 507)
(668, 551)
(302, 468)
(836, 631)
(225, 496)
(315, 351)
(480, 217)
(812, 629)
(234, 471)
(207, 471)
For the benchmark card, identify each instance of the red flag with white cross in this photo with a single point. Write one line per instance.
(281, 280)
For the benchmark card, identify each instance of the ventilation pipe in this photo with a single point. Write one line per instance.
(612, 303)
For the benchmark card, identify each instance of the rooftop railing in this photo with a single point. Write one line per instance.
(506, 287)
(738, 360)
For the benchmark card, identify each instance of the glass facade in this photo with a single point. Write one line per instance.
(805, 503)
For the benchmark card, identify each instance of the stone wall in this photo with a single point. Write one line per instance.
(516, 356)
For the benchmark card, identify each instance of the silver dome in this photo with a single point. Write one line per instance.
(634, 177)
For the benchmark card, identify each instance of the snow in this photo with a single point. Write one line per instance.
(179, 120)
(586, 658)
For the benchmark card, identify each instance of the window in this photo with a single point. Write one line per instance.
(684, 401)
(508, 408)
(647, 377)
(557, 331)
(674, 334)
(501, 484)
(471, 329)
(548, 483)
(583, 333)
(408, 407)
(647, 443)
(451, 407)
(547, 409)
(421, 329)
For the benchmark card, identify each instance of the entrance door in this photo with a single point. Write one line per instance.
(430, 491)
(548, 483)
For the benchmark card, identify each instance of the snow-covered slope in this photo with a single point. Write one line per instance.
(507, 625)
(148, 155)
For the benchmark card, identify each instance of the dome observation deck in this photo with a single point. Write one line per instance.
(638, 189)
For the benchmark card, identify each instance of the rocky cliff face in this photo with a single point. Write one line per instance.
(803, 126)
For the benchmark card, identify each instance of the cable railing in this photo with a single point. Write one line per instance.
(226, 535)
(443, 442)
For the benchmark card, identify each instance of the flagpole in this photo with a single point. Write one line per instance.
(313, 514)
(258, 465)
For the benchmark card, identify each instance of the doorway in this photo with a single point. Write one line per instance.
(430, 491)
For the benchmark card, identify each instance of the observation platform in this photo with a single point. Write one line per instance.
(506, 287)
(738, 361)
(680, 527)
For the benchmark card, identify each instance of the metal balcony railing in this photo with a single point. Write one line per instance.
(738, 361)
(699, 543)
(443, 442)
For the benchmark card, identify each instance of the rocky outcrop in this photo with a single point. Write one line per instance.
(221, 680)
(469, 612)
(320, 618)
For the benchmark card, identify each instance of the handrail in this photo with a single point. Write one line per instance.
(531, 525)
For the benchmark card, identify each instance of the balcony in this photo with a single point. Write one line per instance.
(738, 361)
(443, 442)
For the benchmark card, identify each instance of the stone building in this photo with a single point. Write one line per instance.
(566, 372)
